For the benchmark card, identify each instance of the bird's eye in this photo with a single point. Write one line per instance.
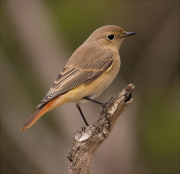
(110, 37)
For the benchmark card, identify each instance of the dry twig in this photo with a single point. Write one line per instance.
(88, 140)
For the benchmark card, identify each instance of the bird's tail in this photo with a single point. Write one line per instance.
(41, 111)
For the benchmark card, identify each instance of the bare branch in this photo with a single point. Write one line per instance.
(88, 140)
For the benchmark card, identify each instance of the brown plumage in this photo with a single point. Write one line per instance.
(90, 70)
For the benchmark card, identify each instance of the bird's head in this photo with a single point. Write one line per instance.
(109, 36)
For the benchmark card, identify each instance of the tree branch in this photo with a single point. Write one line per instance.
(89, 139)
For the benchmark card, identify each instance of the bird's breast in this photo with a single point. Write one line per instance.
(97, 86)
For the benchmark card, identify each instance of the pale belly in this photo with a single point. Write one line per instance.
(95, 88)
(92, 89)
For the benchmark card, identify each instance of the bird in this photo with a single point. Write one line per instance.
(89, 71)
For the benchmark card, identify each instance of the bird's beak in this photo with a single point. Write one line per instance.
(128, 34)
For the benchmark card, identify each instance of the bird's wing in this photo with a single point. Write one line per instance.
(73, 76)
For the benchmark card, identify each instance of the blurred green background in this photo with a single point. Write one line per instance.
(37, 39)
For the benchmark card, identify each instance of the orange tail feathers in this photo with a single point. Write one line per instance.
(40, 112)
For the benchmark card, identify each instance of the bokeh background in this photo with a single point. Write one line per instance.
(37, 39)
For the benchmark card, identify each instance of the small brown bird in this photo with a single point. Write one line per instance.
(89, 71)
